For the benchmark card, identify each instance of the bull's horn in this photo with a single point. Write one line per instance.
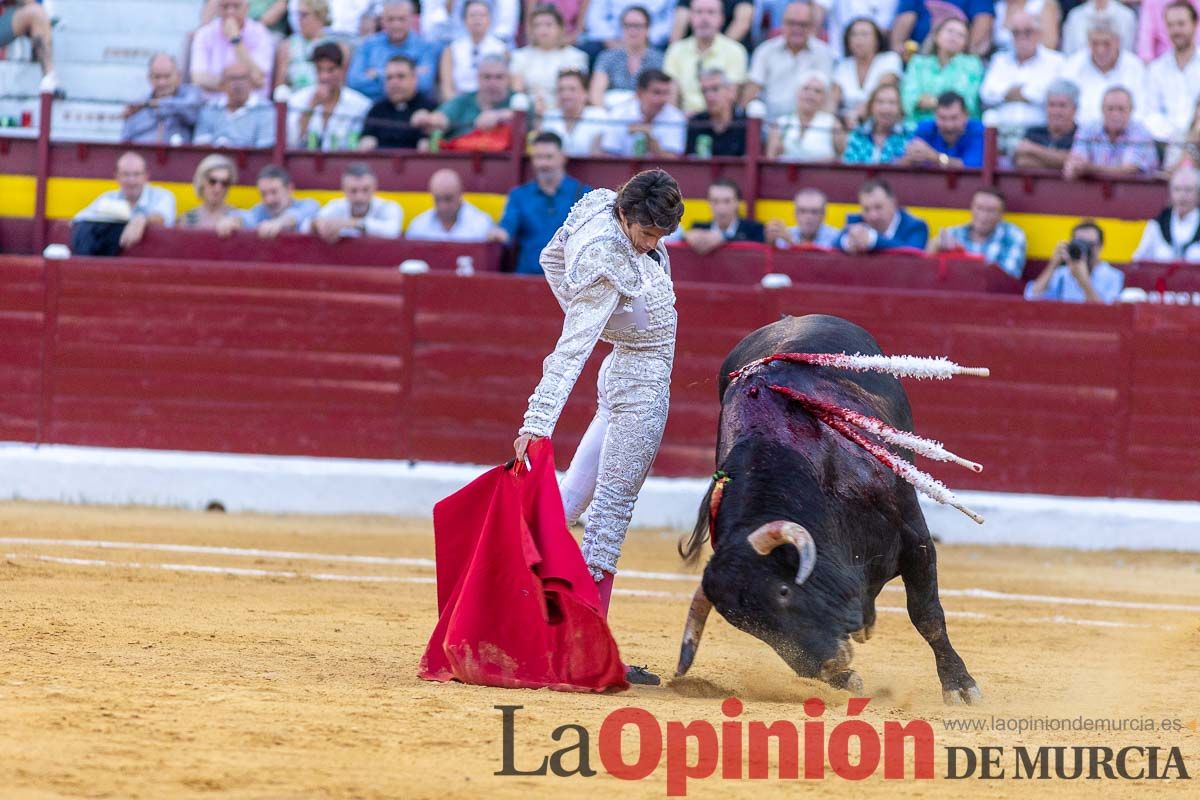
(697, 616)
(773, 534)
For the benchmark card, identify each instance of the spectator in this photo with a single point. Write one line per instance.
(1104, 64)
(240, 118)
(947, 68)
(458, 73)
(779, 62)
(1014, 88)
(737, 14)
(366, 75)
(810, 134)
(726, 224)
(327, 115)
(535, 210)
(1046, 13)
(844, 13)
(1185, 152)
(571, 11)
(1002, 244)
(882, 225)
(867, 64)
(482, 109)
(603, 19)
(171, 110)
(271, 13)
(1047, 146)
(27, 18)
(404, 116)
(1075, 273)
(721, 120)
(536, 67)
(1153, 38)
(228, 38)
(293, 57)
(278, 210)
(950, 139)
(706, 48)
(214, 175)
(347, 18)
(578, 125)
(1077, 27)
(810, 229)
(1174, 235)
(883, 138)
(617, 68)
(916, 18)
(1173, 79)
(359, 212)
(646, 123)
(118, 219)
(451, 219)
(446, 21)
(1119, 145)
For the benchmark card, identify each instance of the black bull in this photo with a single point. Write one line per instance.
(847, 524)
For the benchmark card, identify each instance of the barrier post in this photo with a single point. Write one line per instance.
(991, 156)
(280, 132)
(754, 125)
(42, 171)
(520, 126)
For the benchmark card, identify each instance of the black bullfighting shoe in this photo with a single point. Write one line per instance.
(642, 676)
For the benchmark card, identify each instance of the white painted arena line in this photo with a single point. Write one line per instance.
(424, 579)
(241, 552)
(976, 593)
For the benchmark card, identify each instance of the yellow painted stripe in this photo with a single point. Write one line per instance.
(67, 196)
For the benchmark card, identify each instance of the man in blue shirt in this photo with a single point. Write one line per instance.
(396, 39)
(1075, 273)
(882, 225)
(914, 21)
(950, 139)
(535, 210)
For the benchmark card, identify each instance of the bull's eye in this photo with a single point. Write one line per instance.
(784, 592)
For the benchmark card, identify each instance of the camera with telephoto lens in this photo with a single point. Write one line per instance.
(1079, 250)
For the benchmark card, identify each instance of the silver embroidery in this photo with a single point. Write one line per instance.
(600, 281)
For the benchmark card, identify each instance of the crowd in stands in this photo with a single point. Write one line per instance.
(1095, 88)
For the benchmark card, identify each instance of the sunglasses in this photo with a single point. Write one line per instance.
(226, 182)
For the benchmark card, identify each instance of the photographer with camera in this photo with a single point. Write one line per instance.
(1075, 273)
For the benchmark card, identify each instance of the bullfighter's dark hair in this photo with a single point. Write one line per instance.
(728, 183)
(651, 199)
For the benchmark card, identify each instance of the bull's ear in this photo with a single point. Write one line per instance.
(771, 535)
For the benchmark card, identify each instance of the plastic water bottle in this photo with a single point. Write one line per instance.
(465, 266)
(704, 146)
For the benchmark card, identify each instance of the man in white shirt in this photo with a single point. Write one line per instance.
(1078, 24)
(1104, 65)
(810, 230)
(360, 212)
(1173, 79)
(647, 118)
(1014, 88)
(779, 63)
(135, 206)
(1174, 235)
(327, 115)
(451, 219)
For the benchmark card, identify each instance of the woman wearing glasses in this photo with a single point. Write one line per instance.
(212, 180)
(607, 267)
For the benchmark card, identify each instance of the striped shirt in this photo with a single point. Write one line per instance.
(1005, 248)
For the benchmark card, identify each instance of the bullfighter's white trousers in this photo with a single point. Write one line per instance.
(616, 451)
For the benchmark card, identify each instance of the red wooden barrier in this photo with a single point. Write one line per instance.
(365, 362)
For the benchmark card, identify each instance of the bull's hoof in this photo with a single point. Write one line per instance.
(966, 695)
(848, 680)
(839, 663)
(862, 634)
